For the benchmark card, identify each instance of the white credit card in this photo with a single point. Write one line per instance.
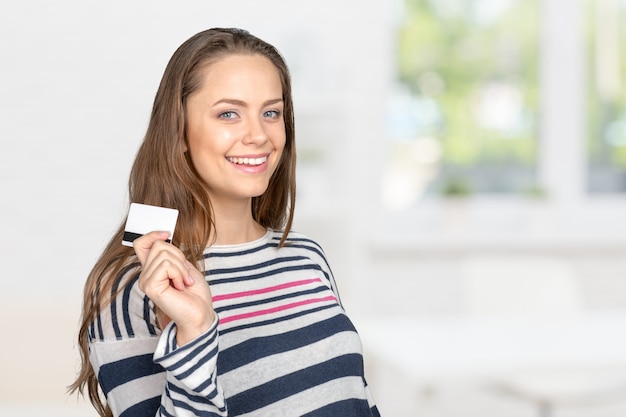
(143, 219)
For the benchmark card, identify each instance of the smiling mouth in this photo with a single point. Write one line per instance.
(247, 161)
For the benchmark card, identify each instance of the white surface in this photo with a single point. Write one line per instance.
(437, 349)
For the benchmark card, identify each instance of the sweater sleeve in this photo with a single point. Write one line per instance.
(192, 388)
(141, 370)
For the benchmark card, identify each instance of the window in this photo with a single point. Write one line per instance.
(606, 104)
(463, 116)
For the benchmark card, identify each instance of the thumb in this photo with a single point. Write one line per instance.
(143, 244)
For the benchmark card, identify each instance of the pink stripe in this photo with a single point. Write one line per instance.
(276, 309)
(264, 290)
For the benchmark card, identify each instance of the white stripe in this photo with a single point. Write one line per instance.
(269, 368)
(126, 395)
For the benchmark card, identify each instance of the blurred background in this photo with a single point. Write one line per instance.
(462, 162)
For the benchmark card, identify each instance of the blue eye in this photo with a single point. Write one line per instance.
(272, 114)
(228, 115)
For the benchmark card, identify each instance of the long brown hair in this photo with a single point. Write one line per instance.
(163, 175)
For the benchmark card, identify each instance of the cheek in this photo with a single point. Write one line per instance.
(200, 153)
(282, 152)
(280, 140)
(205, 141)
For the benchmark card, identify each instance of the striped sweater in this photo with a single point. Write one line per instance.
(282, 344)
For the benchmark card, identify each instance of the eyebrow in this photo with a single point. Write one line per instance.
(242, 103)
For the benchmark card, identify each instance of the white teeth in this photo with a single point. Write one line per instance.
(247, 161)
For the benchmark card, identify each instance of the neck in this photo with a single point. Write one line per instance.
(234, 224)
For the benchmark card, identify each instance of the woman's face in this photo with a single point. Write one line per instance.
(235, 127)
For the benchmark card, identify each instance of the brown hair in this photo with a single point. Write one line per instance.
(163, 175)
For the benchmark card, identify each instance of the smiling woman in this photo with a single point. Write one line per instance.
(236, 132)
(239, 315)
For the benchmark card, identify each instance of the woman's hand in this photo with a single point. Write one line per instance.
(175, 286)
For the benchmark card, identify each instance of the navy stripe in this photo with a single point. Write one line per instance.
(350, 407)
(276, 320)
(306, 267)
(98, 320)
(205, 384)
(294, 383)
(147, 407)
(232, 254)
(116, 373)
(99, 324)
(254, 349)
(193, 396)
(171, 346)
(163, 412)
(146, 316)
(116, 327)
(125, 303)
(292, 240)
(271, 262)
(315, 248)
(271, 300)
(113, 307)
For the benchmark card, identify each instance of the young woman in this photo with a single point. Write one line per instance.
(238, 315)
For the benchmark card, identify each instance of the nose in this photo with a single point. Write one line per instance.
(256, 132)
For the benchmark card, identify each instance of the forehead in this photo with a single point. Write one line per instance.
(241, 75)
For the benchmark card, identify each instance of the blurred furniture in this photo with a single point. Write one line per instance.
(514, 355)
(523, 333)
(543, 288)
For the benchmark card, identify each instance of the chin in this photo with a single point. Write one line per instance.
(257, 191)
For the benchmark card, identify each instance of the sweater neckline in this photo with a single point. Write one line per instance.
(239, 246)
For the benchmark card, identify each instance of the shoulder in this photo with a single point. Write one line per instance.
(303, 245)
(297, 240)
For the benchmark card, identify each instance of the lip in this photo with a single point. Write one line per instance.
(249, 168)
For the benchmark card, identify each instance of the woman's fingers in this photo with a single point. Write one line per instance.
(167, 263)
(189, 278)
(163, 271)
(163, 264)
(144, 244)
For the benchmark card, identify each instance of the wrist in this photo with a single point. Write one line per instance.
(188, 332)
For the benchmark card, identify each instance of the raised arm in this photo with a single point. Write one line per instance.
(145, 372)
